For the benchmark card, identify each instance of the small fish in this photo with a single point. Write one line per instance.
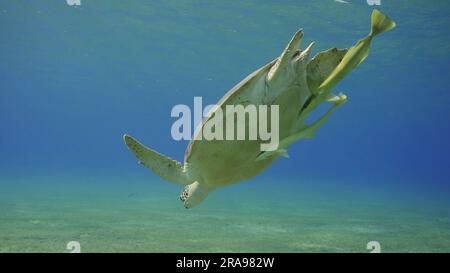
(73, 2)
(133, 194)
(342, 1)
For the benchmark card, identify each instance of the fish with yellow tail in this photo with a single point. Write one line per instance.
(359, 52)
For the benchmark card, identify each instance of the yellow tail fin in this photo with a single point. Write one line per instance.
(380, 23)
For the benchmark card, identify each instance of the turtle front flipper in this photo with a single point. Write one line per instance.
(307, 131)
(165, 167)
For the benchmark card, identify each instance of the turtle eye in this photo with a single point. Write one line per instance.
(297, 53)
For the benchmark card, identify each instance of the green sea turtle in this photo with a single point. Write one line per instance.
(291, 81)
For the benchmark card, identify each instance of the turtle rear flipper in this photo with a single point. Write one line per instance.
(167, 168)
(194, 194)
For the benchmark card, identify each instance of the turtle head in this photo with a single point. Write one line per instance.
(290, 66)
(193, 194)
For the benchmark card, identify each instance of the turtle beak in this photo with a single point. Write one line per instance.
(291, 49)
(305, 53)
(286, 56)
(292, 46)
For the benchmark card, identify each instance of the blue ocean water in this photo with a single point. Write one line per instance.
(73, 80)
